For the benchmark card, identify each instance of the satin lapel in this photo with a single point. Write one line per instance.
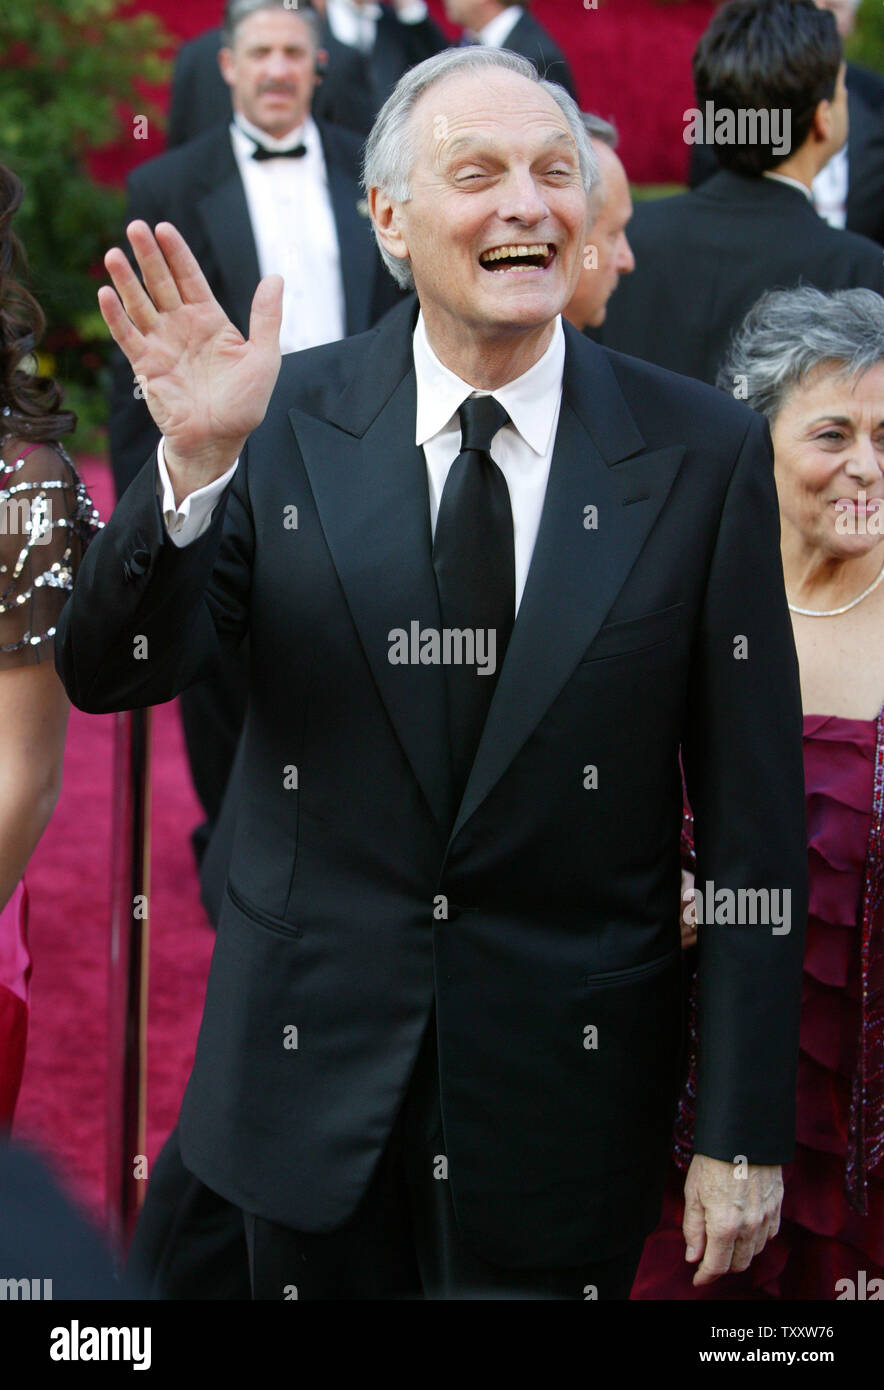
(355, 241)
(576, 572)
(225, 216)
(373, 503)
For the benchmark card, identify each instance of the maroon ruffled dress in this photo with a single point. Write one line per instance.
(838, 1169)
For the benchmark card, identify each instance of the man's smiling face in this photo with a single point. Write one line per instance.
(495, 225)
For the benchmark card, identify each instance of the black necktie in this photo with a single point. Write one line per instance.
(474, 561)
(262, 152)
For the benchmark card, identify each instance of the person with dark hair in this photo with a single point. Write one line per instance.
(847, 190)
(364, 48)
(770, 93)
(46, 522)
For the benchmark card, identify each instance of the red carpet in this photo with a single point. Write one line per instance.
(62, 1102)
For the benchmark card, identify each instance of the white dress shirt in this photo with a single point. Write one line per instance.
(496, 32)
(356, 25)
(295, 234)
(792, 183)
(830, 189)
(522, 449)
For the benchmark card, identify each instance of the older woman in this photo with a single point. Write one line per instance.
(813, 364)
(46, 520)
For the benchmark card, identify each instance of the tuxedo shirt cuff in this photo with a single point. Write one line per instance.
(187, 522)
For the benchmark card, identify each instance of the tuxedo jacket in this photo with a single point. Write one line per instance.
(199, 188)
(541, 912)
(703, 258)
(351, 93)
(865, 159)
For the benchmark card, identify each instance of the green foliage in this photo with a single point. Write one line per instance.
(866, 43)
(69, 73)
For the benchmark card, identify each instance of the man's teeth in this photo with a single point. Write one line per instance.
(505, 253)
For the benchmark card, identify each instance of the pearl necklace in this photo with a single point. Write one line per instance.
(834, 612)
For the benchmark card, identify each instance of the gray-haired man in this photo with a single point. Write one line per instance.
(441, 1042)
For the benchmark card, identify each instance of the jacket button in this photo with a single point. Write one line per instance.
(137, 564)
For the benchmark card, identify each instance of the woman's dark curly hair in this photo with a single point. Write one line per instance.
(30, 404)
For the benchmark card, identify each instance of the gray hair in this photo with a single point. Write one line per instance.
(235, 11)
(598, 129)
(788, 333)
(390, 150)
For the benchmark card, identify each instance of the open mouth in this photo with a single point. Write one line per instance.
(517, 258)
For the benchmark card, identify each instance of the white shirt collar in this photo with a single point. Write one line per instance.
(246, 134)
(497, 30)
(793, 183)
(531, 401)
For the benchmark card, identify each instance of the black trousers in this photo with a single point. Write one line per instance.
(403, 1240)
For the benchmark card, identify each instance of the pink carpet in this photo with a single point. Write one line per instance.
(62, 1103)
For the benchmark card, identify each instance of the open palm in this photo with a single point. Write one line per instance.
(205, 385)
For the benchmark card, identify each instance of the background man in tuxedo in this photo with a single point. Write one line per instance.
(274, 192)
(608, 254)
(513, 27)
(703, 258)
(847, 190)
(454, 885)
(364, 49)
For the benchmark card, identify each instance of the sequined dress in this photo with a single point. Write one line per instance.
(831, 1238)
(46, 521)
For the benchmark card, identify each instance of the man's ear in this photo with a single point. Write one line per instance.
(225, 63)
(386, 216)
(821, 125)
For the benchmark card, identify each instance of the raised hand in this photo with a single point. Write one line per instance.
(205, 385)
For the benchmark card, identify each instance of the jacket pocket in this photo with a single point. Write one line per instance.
(635, 634)
(264, 919)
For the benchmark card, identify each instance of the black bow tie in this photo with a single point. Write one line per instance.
(262, 152)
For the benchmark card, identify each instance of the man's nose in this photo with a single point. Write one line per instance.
(522, 199)
(625, 258)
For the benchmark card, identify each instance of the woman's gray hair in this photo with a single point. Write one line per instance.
(390, 151)
(788, 333)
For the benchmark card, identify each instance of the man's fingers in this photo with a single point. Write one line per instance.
(135, 299)
(265, 319)
(716, 1261)
(693, 1227)
(154, 267)
(190, 281)
(120, 326)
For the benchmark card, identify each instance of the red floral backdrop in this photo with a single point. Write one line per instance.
(631, 59)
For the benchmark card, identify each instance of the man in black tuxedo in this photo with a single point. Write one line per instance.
(248, 206)
(364, 49)
(703, 258)
(513, 27)
(847, 191)
(494, 578)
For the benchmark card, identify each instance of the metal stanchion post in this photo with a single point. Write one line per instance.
(127, 1004)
